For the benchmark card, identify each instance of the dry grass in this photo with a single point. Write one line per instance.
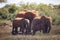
(29, 37)
(5, 34)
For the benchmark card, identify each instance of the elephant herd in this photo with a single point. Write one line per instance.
(30, 23)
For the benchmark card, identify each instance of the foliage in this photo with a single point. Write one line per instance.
(3, 13)
(9, 11)
(57, 6)
(12, 9)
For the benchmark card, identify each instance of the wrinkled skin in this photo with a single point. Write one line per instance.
(23, 24)
(41, 23)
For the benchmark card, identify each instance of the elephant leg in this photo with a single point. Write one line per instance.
(22, 30)
(34, 31)
(44, 31)
(14, 30)
(28, 30)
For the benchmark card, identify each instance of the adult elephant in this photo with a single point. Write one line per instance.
(22, 23)
(47, 22)
(41, 23)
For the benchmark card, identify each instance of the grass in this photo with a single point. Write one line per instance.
(5, 34)
(30, 37)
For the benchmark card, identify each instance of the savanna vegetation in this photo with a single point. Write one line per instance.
(9, 12)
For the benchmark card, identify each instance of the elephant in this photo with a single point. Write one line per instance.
(47, 22)
(22, 23)
(41, 23)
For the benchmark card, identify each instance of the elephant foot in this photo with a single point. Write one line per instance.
(28, 32)
(33, 32)
(14, 33)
